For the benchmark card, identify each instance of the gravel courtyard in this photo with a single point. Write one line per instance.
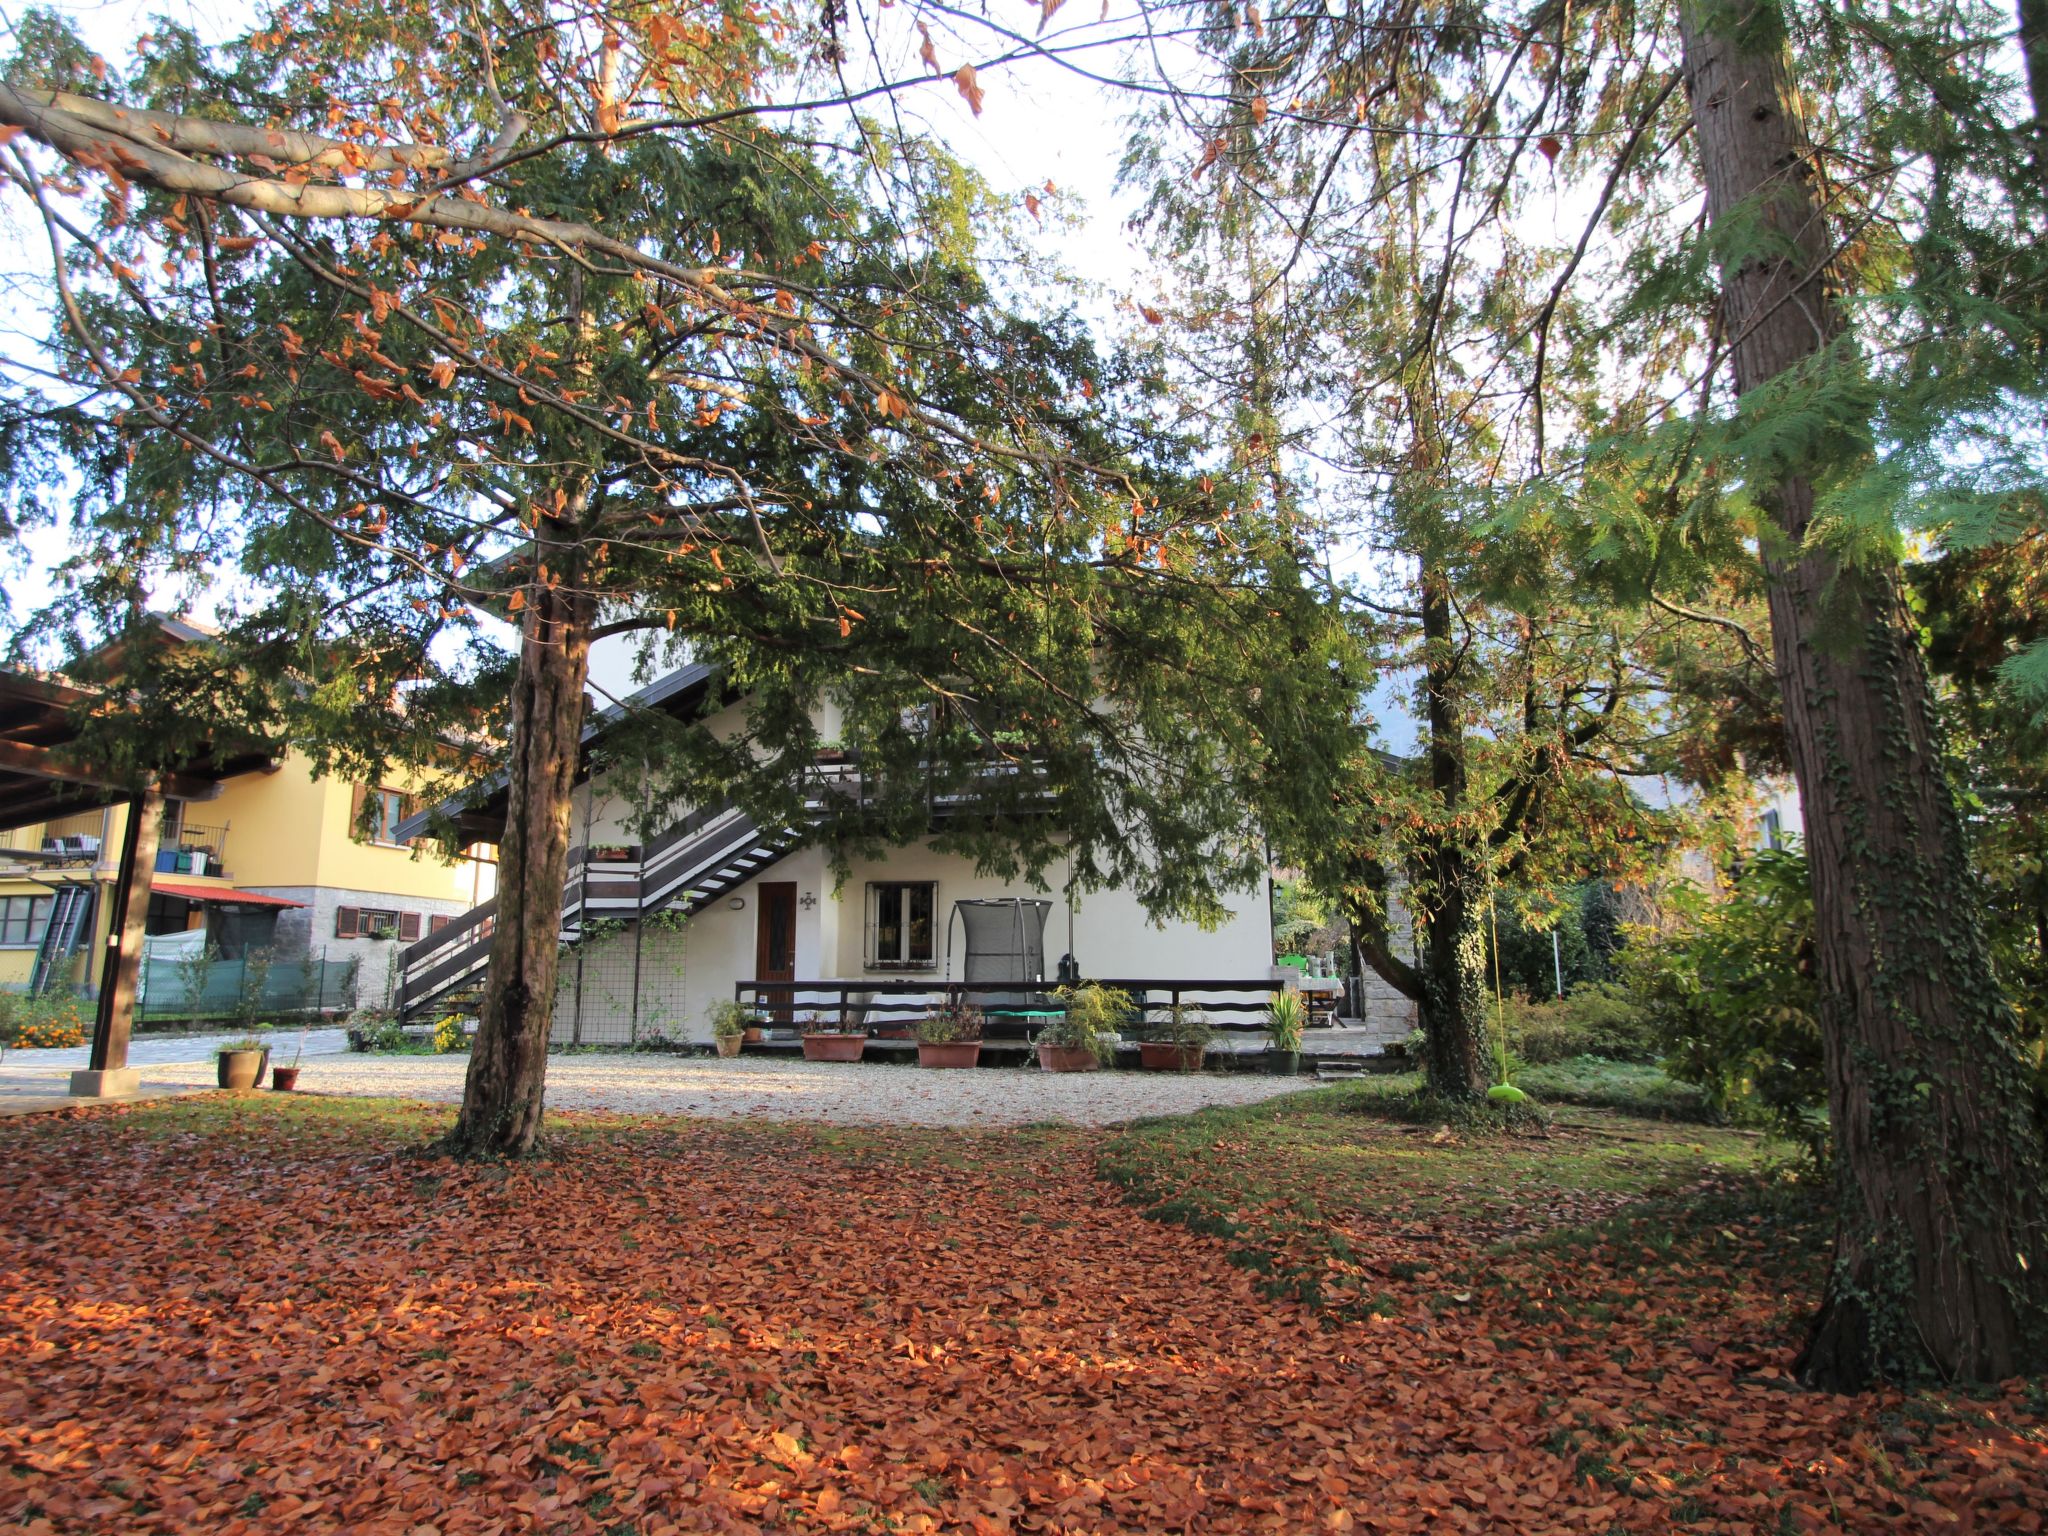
(771, 1089)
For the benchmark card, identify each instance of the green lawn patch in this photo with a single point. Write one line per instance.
(1348, 1199)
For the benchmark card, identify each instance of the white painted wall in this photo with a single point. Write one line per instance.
(616, 659)
(1111, 934)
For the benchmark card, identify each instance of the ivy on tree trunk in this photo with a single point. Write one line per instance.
(1940, 1263)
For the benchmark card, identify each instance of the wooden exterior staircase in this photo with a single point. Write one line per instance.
(685, 869)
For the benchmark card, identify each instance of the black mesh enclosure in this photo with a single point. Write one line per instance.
(1004, 939)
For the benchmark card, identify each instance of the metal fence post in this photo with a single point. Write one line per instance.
(633, 1020)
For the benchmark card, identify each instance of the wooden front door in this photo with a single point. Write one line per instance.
(775, 941)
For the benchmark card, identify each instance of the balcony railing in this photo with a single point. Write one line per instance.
(1012, 1009)
(192, 848)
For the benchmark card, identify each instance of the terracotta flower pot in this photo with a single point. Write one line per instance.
(284, 1079)
(1067, 1058)
(1167, 1056)
(948, 1053)
(241, 1069)
(834, 1047)
(751, 1035)
(728, 1045)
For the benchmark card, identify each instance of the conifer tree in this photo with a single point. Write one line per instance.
(1845, 348)
(542, 311)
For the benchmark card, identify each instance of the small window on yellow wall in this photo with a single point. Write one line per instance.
(386, 809)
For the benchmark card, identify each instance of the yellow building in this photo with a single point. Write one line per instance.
(274, 864)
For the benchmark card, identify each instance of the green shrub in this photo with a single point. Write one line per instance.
(55, 1019)
(372, 1029)
(1588, 941)
(1733, 1004)
(1600, 1019)
(1095, 1016)
(449, 1036)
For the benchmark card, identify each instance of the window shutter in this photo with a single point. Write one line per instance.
(409, 807)
(868, 938)
(347, 922)
(408, 926)
(437, 922)
(357, 795)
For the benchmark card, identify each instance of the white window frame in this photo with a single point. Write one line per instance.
(875, 959)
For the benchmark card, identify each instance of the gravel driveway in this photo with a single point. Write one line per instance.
(772, 1089)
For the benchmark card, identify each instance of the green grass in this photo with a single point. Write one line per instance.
(1316, 1191)
(1633, 1087)
(286, 1117)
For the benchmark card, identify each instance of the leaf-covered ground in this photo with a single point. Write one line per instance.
(268, 1315)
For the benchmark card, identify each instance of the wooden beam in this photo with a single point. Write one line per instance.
(48, 763)
(126, 926)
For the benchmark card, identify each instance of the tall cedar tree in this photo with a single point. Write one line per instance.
(402, 319)
(1943, 1234)
(1916, 215)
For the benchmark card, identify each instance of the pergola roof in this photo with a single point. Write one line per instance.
(43, 777)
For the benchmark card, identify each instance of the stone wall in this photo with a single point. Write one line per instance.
(309, 931)
(1389, 1016)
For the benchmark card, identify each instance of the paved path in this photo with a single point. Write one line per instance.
(148, 1051)
(774, 1089)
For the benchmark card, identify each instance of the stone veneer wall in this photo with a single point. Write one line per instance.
(1387, 1014)
(309, 930)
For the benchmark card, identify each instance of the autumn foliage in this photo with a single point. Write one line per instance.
(273, 1317)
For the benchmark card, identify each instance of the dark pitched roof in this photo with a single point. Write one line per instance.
(479, 810)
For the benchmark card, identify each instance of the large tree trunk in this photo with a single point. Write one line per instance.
(501, 1098)
(1454, 982)
(1940, 1261)
(1450, 883)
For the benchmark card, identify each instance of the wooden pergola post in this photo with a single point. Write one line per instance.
(108, 1074)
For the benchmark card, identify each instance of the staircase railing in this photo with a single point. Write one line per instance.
(698, 859)
(687, 867)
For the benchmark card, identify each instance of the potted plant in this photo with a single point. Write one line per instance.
(1178, 1042)
(837, 1041)
(950, 1036)
(1084, 1036)
(285, 1079)
(1285, 1016)
(729, 1024)
(241, 1063)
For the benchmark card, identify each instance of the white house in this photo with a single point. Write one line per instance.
(662, 929)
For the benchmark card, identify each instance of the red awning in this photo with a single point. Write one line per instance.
(215, 896)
